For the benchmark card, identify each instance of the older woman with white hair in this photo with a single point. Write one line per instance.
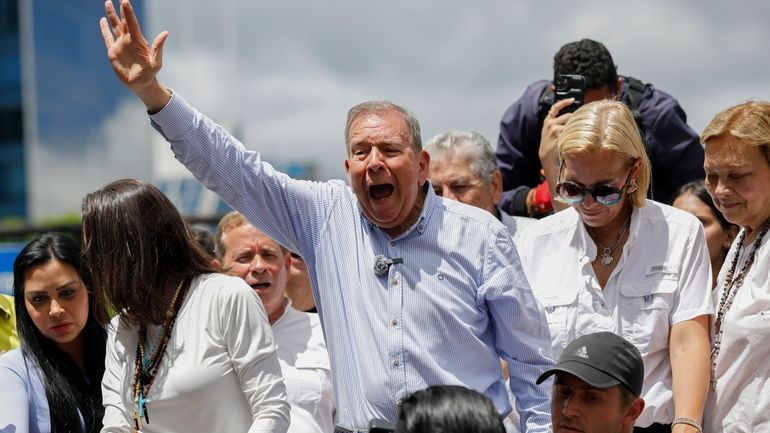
(737, 177)
(615, 261)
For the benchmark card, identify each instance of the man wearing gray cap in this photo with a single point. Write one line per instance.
(598, 382)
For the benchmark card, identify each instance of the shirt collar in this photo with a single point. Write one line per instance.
(286, 311)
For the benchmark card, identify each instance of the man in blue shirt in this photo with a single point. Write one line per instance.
(412, 290)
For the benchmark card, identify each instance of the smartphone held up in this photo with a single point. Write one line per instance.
(570, 86)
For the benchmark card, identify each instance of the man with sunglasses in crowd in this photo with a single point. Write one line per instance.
(530, 127)
(618, 262)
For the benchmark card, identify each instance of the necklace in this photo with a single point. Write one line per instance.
(730, 289)
(145, 368)
(606, 256)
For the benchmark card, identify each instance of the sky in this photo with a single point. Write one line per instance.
(281, 75)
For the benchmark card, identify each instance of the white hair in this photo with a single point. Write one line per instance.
(470, 144)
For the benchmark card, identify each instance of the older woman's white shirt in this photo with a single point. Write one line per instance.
(662, 278)
(220, 372)
(741, 402)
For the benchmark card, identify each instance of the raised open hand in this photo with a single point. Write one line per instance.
(135, 63)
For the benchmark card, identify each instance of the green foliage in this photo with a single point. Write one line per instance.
(16, 229)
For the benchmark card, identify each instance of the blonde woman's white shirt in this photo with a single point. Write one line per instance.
(741, 401)
(306, 371)
(220, 372)
(662, 278)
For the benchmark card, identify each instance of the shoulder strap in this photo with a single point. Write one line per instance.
(635, 92)
(544, 104)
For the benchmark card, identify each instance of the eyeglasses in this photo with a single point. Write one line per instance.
(608, 195)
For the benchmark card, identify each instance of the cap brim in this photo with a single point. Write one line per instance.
(584, 372)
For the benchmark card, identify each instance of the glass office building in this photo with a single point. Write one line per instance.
(59, 108)
(12, 187)
(68, 127)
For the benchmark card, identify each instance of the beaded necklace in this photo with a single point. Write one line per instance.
(145, 368)
(730, 289)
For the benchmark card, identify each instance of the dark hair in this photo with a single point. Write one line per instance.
(136, 244)
(448, 409)
(626, 396)
(590, 59)
(66, 390)
(697, 188)
(205, 239)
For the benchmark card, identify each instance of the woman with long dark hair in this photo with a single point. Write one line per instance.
(190, 350)
(52, 383)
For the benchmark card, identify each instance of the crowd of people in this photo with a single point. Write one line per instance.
(604, 270)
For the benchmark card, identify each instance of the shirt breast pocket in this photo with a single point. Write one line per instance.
(305, 386)
(557, 306)
(645, 308)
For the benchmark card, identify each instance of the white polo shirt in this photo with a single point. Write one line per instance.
(306, 371)
(662, 278)
(741, 402)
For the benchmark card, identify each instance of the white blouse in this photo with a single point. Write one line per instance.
(220, 372)
(741, 401)
(662, 278)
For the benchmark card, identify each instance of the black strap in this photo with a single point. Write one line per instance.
(635, 91)
(547, 98)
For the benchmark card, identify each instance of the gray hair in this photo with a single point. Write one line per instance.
(470, 144)
(378, 107)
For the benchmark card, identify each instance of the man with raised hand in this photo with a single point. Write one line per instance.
(412, 290)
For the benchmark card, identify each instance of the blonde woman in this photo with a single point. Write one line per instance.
(615, 261)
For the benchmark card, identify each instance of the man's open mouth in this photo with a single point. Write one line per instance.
(382, 191)
(260, 286)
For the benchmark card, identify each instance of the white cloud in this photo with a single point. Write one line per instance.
(62, 174)
(284, 73)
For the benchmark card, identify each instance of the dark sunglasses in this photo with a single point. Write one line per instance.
(608, 195)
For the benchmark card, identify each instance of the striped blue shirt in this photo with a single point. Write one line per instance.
(457, 303)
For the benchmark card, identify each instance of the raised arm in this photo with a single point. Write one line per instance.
(135, 63)
(548, 151)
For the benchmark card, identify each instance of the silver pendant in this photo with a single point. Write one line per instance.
(606, 260)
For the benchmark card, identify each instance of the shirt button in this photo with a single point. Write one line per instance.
(392, 243)
(394, 281)
(396, 363)
(394, 322)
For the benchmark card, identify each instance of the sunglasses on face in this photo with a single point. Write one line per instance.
(608, 195)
